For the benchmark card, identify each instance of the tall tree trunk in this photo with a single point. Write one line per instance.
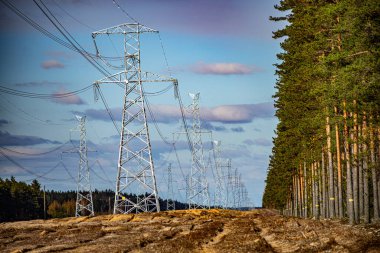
(360, 173)
(317, 192)
(313, 210)
(301, 193)
(290, 207)
(320, 193)
(378, 162)
(300, 199)
(373, 171)
(365, 171)
(324, 192)
(355, 169)
(336, 196)
(296, 195)
(314, 183)
(330, 169)
(338, 151)
(305, 190)
(350, 200)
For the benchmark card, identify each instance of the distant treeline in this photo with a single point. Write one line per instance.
(22, 201)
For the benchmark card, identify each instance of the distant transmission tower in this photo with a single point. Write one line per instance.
(198, 194)
(84, 205)
(170, 204)
(229, 185)
(235, 187)
(220, 198)
(187, 189)
(136, 189)
(238, 188)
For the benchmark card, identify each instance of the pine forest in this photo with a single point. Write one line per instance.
(325, 162)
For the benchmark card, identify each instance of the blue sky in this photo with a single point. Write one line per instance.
(220, 48)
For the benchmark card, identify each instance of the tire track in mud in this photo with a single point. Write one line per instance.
(209, 246)
(240, 234)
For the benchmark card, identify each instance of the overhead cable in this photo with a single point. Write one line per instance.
(34, 154)
(28, 170)
(19, 93)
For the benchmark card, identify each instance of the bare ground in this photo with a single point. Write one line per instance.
(188, 231)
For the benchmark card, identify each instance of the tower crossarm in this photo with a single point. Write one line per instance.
(147, 77)
(125, 28)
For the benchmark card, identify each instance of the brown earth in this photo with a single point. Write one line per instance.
(189, 231)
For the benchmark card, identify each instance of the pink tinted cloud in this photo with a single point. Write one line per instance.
(60, 98)
(223, 68)
(233, 114)
(52, 64)
(243, 113)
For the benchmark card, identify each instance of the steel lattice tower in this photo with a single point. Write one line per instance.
(170, 204)
(238, 190)
(136, 189)
(235, 191)
(198, 188)
(84, 205)
(187, 189)
(229, 185)
(220, 198)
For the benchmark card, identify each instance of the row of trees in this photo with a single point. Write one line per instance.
(22, 201)
(326, 156)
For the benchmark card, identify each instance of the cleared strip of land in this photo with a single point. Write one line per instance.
(189, 231)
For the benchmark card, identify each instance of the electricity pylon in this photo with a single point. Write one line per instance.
(235, 187)
(136, 189)
(220, 198)
(198, 188)
(170, 204)
(238, 189)
(84, 205)
(187, 189)
(229, 185)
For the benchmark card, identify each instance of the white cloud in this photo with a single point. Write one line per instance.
(223, 68)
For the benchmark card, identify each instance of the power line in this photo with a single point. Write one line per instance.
(164, 53)
(71, 16)
(34, 154)
(39, 28)
(126, 13)
(46, 32)
(155, 123)
(72, 41)
(104, 172)
(29, 171)
(47, 122)
(68, 172)
(179, 163)
(46, 11)
(97, 88)
(47, 172)
(101, 178)
(160, 92)
(19, 93)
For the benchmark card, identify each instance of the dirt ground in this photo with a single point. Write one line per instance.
(188, 231)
